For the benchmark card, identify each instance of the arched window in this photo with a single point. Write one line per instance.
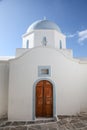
(60, 44)
(44, 41)
(27, 44)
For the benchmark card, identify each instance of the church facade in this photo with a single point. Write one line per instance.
(43, 80)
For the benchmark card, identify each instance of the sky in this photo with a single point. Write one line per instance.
(17, 15)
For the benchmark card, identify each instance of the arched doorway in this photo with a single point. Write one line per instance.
(44, 99)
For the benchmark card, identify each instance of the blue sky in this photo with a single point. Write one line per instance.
(17, 15)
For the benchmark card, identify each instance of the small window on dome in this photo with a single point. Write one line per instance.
(60, 44)
(44, 41)
(27, 44)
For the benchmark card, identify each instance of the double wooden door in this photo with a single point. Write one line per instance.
(44, 99)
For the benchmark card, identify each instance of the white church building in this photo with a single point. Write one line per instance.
(44, 79)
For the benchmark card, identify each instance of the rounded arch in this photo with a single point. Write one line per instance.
(34, 93)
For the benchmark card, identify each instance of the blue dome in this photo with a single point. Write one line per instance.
(43, 24)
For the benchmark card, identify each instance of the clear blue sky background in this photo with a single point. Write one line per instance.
(17, 15)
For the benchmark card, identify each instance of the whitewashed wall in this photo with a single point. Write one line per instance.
(83, 98)
(30, 38)
(66, 74)
(4, 78)
(20, 51)
(60, 37)
(39, 34)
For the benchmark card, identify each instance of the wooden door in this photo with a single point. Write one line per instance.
(44, 99)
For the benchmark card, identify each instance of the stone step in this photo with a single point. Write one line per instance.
(19, 123)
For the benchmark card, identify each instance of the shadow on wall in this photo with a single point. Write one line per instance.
(4, 116)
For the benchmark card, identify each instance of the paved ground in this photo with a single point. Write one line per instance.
(78, 122)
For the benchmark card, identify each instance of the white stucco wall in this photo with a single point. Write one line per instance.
(83, 99)
(40, 34)
(4, 78)
(20, 51)
(30, 38)
(66, 73)
(60, 37)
